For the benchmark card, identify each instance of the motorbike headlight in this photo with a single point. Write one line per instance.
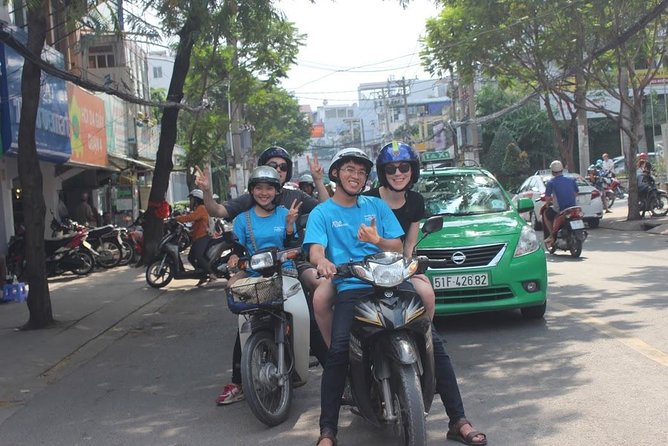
(389, 275)
(261, 261)
(527, 243)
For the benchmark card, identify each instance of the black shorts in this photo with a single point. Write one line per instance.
(550, 213)
(302, 266)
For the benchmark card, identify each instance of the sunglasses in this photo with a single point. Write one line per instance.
(282, 166)
(390, 169)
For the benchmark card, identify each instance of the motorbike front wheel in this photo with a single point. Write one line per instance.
(128, 253)
(659, 205)
(160, 272)
(110, 253)
(268, 399)
(408, 404)
(611, 198)
(86, 261)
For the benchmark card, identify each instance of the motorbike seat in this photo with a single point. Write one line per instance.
(101, 231)
(54, 244)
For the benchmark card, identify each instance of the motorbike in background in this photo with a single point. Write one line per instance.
(105, 240)
(613, 188)
(167, 264)
(654, 200)
(70, 253)
(568, 228)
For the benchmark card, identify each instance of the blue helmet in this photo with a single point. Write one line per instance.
(599, 163)
(397, 152)
(276, 151)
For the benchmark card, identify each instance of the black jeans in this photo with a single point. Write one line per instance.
(336, 367)
(197, 256)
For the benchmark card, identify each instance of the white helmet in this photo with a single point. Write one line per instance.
(556, 166)
(197, 193)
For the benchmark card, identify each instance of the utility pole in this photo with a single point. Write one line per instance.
(406, 120)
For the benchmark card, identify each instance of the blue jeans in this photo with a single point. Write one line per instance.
(336, 368)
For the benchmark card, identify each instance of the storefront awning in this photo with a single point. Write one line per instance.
(141, 164)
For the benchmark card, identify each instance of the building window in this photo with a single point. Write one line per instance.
(330, 113)
(101, 61)
(157, 72)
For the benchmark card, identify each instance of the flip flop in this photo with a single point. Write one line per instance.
(455, 434)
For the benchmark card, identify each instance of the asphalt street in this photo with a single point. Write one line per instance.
(594, 371)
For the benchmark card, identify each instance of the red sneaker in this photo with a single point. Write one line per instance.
(231, 394)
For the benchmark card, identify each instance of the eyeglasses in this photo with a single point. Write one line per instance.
(355, 172)
(283, 166)
(390, 169)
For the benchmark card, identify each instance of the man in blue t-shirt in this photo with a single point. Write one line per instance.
(562, 188)
(347, 228)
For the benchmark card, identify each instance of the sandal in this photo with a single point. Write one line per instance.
(455, 433)
(326, 434)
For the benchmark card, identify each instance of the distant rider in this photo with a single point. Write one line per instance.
(560, 193)
(199, 233)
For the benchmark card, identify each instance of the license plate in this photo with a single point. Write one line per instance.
(577, 224)
(460, 281)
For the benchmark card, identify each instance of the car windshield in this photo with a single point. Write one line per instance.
(462, 194)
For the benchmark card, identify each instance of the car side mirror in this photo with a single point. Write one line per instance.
(524, 205)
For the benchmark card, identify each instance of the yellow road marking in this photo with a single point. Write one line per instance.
(636, 344)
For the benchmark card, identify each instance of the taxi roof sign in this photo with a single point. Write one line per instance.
(435, 157)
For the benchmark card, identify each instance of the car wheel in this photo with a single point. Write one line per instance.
(593, 223)
(535, 312)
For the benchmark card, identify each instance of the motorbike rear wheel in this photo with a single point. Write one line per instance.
(408, 404)
(110, 252)
(659, 205)
(575, 246)
(269, 401)
(611, 198)
(88, 263)
(160, 272)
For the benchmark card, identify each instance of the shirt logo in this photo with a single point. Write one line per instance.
(339, 224)
(279, 228)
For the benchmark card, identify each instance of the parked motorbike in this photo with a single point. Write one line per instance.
(569, 229)
(105, 240)
(167, 264)
(391, 355)
(274, 327)
(70, 253)
(613, 189)
(654, 200)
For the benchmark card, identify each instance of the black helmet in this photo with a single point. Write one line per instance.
(350, 154)
(397, 152)
(276, 151)
(264, 174)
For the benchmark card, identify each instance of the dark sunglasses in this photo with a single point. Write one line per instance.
(390, 169)
(282, 166)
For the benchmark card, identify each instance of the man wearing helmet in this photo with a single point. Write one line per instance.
(199, 233)
(307, 185)
(349, 227)
(560, 193)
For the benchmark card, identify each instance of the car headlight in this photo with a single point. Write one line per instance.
(528, 242)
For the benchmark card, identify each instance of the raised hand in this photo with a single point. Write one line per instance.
(293, 213)
(202, 178)
(317, 171)
(369, 234)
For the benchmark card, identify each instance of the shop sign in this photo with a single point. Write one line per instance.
(52, 127)
(88, 134)
(116, 119)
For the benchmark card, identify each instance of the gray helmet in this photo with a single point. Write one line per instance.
(307, 178)
(556, 166)
(350, 154)
(264, 174)
(197, 193)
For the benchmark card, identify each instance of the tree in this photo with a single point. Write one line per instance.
(34, 208)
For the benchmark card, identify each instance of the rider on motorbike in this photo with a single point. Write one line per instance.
(372, 227)
(645, 180)
(307, 185)
(562, 188)
(200, 233)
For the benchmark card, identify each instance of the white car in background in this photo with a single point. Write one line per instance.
(589, 198)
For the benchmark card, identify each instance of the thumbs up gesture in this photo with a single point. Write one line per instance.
(369, 234)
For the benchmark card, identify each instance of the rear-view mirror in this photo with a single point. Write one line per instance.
(433, 224)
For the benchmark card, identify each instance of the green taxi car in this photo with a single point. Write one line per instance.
(486, 257)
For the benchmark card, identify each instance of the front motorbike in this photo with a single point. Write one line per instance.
(654, 201)
(569, 231)
(391, 373)
(274, 327)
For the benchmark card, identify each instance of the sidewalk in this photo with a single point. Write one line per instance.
(616, 220)
(91, 313)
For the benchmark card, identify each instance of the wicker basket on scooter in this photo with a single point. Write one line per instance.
(251, 293)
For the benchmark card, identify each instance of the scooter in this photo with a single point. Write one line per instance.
(654, 201)
(568, 228)
(167, 264)
(105, 240)
(274, 328)
(391, 372)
